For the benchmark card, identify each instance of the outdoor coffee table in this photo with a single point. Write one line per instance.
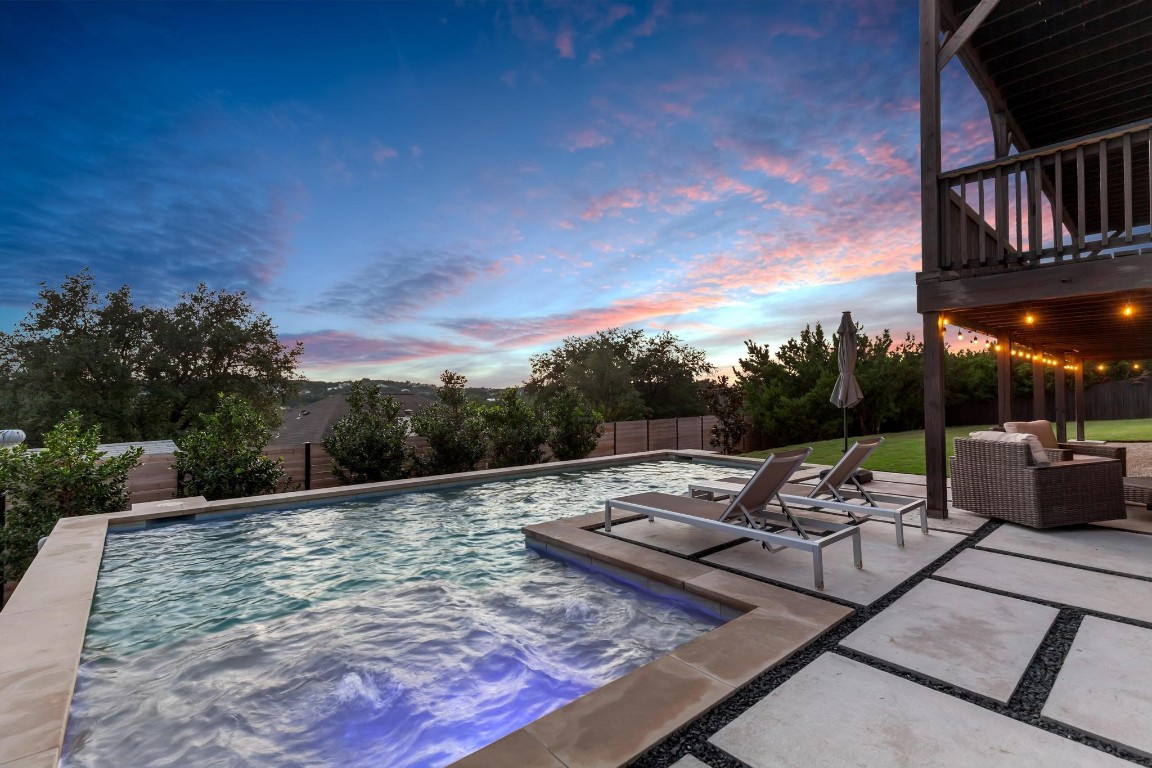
(1138, 490)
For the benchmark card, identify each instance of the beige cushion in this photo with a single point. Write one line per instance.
(1041, 429)
(1039, 457)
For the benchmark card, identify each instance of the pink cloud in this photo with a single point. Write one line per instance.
(326, 349)
(383, 154)
(776, 166)
(588, 138)
(564, 45)
(518, 332)
(612, 203)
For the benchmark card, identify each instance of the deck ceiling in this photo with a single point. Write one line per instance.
(1092, 327)
(1063, 70)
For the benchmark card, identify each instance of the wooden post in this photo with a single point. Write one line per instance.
(307, 466)
(930, 247)
(1004, 379)
(1079, 399)
(1039, 403)
(935, 450)
(1061, 402)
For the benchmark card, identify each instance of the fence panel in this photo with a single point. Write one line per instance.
(662, 435)
(689, 434)
(606, 445)
(631, 436)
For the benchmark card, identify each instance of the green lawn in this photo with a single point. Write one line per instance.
(904, 451)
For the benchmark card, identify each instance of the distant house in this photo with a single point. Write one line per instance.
(313, 422)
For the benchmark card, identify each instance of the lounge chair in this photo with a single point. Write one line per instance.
(845, 491)
(1012, 477)
(1045, 433)
(748, 515)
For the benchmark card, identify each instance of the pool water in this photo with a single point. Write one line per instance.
(398, 631)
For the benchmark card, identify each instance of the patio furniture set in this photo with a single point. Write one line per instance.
(1021, 474)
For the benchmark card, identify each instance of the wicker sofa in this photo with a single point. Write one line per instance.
(1043, 431)
(1003, 480)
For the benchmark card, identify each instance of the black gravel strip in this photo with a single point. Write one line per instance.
(1024, 706)
(1067, 564)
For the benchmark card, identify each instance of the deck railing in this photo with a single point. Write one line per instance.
(1083, 199)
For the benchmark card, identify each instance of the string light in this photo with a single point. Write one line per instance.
(1029, 319)
(1129, 310)
(1100, 367)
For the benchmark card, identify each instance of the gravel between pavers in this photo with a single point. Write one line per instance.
(1025, 705)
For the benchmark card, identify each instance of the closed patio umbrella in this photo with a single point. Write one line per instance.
(846, 393)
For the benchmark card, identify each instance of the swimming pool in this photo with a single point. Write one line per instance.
(404, 631)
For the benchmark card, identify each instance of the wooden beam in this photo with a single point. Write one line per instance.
(1039, 405)
(1004, 379)
(935, 449)
(929, 135)
(961, 35)
(1079, 399)
(1049, 281)
(1061, 401)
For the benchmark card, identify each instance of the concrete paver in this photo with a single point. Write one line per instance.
(1102, 689)
(689, 762)
(1103, 548)
(885, 565)
(974, 640)
(1101, 592)
(837, 711)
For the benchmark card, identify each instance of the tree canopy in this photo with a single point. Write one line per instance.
(139, 373)
(625, 374)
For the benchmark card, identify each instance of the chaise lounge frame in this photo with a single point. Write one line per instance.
(774, 530)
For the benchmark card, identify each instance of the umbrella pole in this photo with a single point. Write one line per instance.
(845, 412)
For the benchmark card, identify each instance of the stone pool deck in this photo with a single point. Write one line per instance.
(978, 644)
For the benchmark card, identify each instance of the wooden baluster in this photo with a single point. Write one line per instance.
(1018, 172)
(1102, 153)
(1035, 219)
(963, 221)
(1127, 187)
(1058, 209)
(983, 223)
(1080, 198)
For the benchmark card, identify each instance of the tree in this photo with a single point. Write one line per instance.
(515, 431)
(74, 351)
(138, 372)
(367, 445)
(453, 427)
(222, 458)
(624, 374)
(69, 478)
(725, 402)
(212, 342)
(574, 428)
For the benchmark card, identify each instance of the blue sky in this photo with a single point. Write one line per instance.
(409, 187)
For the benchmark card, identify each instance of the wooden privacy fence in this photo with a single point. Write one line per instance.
(1129, 399)
(309, 466)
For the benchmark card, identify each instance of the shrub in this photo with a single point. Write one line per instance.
(68, 478)
(515, 431)
(222, 458)
(726, 402)
(454, 429)
(573, 427)
(367, 445)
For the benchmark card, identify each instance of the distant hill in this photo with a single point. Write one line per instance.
(314, 391)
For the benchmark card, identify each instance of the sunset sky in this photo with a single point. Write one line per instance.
(409, 187)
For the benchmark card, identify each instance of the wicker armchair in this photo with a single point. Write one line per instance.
(1001, 480)
(1047, 437)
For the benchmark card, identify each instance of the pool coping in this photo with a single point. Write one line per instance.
(43, 625)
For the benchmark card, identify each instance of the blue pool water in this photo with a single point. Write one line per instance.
(400, 631)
